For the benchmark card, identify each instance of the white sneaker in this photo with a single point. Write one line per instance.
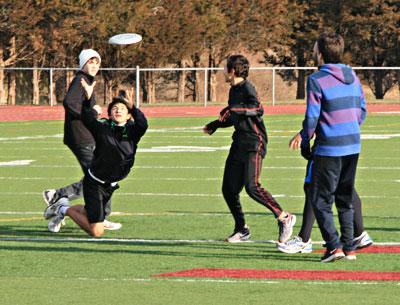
(296, 245)
(55, 224)
(112, 226)
(239, 236)
(48, 196)
(54, 209)
(363, 241)
(286, 227)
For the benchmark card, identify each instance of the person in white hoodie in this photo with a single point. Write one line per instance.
(77, 137)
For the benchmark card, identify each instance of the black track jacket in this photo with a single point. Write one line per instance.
(116, 145)
(75, 132)
(244, 112)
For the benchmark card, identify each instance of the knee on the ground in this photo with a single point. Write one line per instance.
(97, 230)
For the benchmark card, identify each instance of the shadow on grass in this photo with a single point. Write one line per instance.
(157, 249)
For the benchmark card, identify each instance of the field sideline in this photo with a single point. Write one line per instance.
(169, 250)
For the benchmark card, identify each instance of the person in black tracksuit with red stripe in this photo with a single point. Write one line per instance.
(244, 163)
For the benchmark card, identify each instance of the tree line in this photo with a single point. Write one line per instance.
(194, 33)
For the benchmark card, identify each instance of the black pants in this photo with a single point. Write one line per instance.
(84, 155)
(332, 180)
(243, 170)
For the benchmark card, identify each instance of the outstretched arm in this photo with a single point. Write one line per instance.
(140, 124)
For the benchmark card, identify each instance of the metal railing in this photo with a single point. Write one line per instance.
(205, 70)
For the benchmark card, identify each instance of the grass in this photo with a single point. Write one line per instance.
(176, 196)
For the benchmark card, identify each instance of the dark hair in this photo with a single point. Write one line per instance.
(118, 100)
(331, 47)
(239, 64)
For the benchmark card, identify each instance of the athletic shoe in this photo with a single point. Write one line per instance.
(295, 245)
(55, 224)
(363, 241)
(112, 226)
(49, 196)
(286, 227)
(54, 209)
(239, 236)
(331, 256)
(350, 255)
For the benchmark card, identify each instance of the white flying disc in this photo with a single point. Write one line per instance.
(124, 39)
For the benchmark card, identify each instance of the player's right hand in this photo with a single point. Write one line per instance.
(98, 109)
(207, 130)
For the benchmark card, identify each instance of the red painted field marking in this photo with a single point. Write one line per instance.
(324, 275)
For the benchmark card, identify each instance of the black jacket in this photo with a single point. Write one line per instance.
(116, 145)
(244, 112)
(75, 132)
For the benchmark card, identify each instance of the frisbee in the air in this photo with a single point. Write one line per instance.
(124, 39)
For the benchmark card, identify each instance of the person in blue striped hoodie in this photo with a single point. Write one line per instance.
(335, 111)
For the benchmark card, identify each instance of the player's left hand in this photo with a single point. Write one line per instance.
(295, 142)
(88, 88)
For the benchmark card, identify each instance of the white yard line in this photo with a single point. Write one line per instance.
(154, 241)
(160, 194)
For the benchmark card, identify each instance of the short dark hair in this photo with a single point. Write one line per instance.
(118, 100)
(239, 64)
(331, 47)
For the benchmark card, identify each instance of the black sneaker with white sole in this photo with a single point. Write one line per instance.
(239, 236)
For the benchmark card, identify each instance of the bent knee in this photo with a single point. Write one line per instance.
(96, 230)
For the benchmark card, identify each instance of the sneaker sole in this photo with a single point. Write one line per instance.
(244, 239)
(112, 229)
(365, 245)
(332, 258)
(294, 252)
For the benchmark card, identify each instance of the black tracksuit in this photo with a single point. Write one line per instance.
(76, 136)
(244, 163)
(75, 132)
(113, 158)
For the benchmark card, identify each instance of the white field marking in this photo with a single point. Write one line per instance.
(388, 112)
(189, 179)
(218, 167)
(379, 136)
(168, 214)
(156, 194)
(168, 149)
(156, 241)
(16, 162)
(195, 195)
(31, 137)
(132, 179)
(221, 281)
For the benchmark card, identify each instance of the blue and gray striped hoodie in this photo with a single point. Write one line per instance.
(335, 110)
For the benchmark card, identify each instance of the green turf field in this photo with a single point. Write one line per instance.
(174, 218)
